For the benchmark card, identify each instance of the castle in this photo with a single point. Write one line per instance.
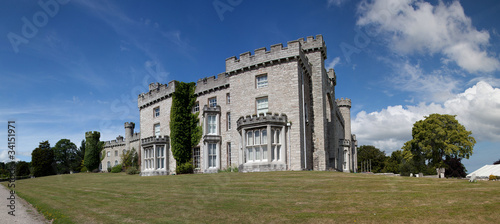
(273, 110)
(114, 149)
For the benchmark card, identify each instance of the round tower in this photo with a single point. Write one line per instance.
(345, 108)
(129, 130)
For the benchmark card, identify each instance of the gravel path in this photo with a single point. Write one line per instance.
(25, 213)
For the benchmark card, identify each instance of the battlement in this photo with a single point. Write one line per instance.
(267, 118)
(263, 57)
(314, 44)
(332, 76)
(212, 83)
(157, 92)
(155, 140)
(130, 125)
(89, 134)
(343, 102)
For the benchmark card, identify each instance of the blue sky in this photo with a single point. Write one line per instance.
(68, 67)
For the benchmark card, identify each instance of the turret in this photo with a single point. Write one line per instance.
(129, 130)
(345, 108)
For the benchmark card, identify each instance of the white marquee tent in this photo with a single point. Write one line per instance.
(486, 171)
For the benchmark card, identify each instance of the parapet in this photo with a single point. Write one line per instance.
(130, 125)
(267, 118)
(343, 102)
(157, 92)
(311, 44)
(210, 84)
(263, 57)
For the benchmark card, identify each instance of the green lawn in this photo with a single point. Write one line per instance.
(271, 197)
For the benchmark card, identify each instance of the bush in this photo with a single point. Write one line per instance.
(132, 170)
(492, 177)
(109, 169)
(116, 169)
(95, 171)
(83, 170)
(185, 168)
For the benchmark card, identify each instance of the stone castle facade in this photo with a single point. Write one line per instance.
(273, 110)
(114, 149)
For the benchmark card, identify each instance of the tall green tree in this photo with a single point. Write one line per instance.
(393, 163)
(436, 137)
(93, 148)
(497, 162)
(454, 167)
(65, 156)
(373, 155)
(22, 169)
(42, 160)
(185, 133)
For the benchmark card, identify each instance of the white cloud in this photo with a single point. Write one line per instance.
(334, 62)
(436, 86)
(477, 108)
(336, 2)
(417, 26)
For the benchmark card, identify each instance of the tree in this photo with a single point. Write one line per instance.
(436, 137)
(497, 162)
(93, 148)
(185, 133)
(375, 157)
(42, 160)
(393, 163)
(454, 167)
(22, 169)
(65, 155)
(77, 165)
(130, 159)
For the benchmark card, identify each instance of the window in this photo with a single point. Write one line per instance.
(212, 155)
(109, 164)
(229, 154)
(160, 157)
(256, 148)
(149, 158)
(262, 105)
(196, 158)
(109, 154)
(228, 120)
(116, 162)
(212, 124)
(212, 102)
(196, 107)
(157, 130)
(275, 144)
(228, 98)
(261, 81)
(116, 152)
(156, 112)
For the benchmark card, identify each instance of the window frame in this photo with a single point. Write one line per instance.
(156, 111)
(260, 110)
(155, 129)
(214, 103)
(228, 121)
(259, 82)
(211, 124)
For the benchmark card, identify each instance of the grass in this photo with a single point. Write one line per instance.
(271, 197)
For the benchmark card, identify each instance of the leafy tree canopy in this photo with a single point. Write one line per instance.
(369, 152)
(65, 156)
(436, 137)
(497, 162)
(42, 160)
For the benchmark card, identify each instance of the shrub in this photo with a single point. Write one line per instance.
(109, 169)
(492, 177)
(116, 169)
(83, 170)
(132, 170)
(185, 168)
(95, 171)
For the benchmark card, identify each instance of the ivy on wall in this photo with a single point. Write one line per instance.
(185, 133)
